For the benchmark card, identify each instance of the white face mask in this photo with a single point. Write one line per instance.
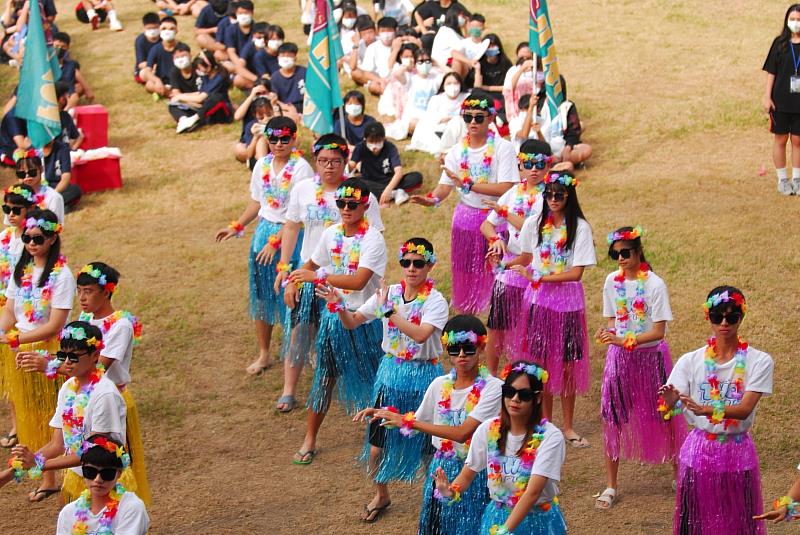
(452, 90)
(244, 19)
(259, 43)
(462, 21)
(375, 147)
(348, 23)
(285, 62)
(151, 33)
(424, 68)
(182, 62)
(167, 35)
(794, 26)
(386, 37)
(406, 62)
(274, 44)
(353, 109)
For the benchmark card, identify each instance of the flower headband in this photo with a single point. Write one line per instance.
(725, 297)
(21, 154)
(532, 156)
(332, 146)
(627, 235)
(349, 192)
(413, 248)
(279, 132)
(561, 177)
(95, 273)
(25, 193)
(79, 333)
(530, 369)
(47, 226)
(453, 338)
(109, 446)
(475, 103)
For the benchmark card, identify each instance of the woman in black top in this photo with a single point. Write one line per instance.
(491, 73)
(782, 99)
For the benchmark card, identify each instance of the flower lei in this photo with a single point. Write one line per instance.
(344, 149)
(32, 152)
(523, 157)
(486, 164)
(452, 337)
(529, 368)
(446, 450)
(276, 195)
(74, 407)
(113, 318)
(349, 192)
(337, 256)
(36, 315)
(523, 202)
(393, 334)
(500, 493)
(43, 224)
(95, 273)
(327, 215)
(638, 306)
(80, 527)
(6, 261)
(562, 177)
(411, 247)
(481, 104)
(736, 388)
(111, 447)
(551, 254)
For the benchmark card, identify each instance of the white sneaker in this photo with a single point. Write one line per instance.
(115, 25)
(185, 123)
(784, 187)
(796, 186)
(400, 196)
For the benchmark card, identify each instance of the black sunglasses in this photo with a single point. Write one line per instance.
(530, 164)
(72, 357)
(624, 253)
(351, 205)
(418, 263)
(525, 394)
(557, 196)
(37, 240)
(30, 173)
(477, 117)
(732, 317)
(106, 474)
(456, 349)
(16, 210)
(283, 140)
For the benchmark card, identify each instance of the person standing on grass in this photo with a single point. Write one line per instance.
(413, 314)
(273, 179)
(483, 167)
(718, 387)
(29, 168)
(556, 249)
(350, 256)
(636, 305)
(782, 99)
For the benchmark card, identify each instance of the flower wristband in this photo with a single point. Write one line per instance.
(502, 212)
(499, 530)
(536, 276)
(407, 429)
(666, 412)
(385, 310)
(274, 242)
(436, 200)
(455, 488)
(630, 342)
(13, 339)
(321, 277)
(237, 227)
(51, 371)
(36, 471)
(283, 267)
(19, 471)
(792, 507)
(338, 306)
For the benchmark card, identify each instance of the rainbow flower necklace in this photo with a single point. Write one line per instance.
(524, 200)
(499, 492)
(552, 253)
(736, 388)
(82, 511)
(113, 318)
(353, 255)
(396, 294)
(75, 403)
(322, 206)
(486, 165)
(276, 195)
(447, 450)
(6, 261)
(37, 314)
(631, 328)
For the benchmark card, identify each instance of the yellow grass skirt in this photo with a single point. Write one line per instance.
(136, 449)
(34, 396)
(75, 484)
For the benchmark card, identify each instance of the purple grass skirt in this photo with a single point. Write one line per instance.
(556, 336)
(507, 312)
(632, 426)
(472, 278)
(719, 486)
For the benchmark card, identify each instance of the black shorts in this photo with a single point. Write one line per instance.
(781, 123)
(80, 13)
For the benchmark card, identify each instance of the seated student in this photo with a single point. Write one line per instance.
(374, 71)
(379, 163)
(180, 7)
(253, 129)
(144, 42)
(405, 51)
(182, 80)
(159, 59)
(246, 75)
(362, 38)
(205, 27)
(347, 28)
(490, 73)
(237, 35)
(70, 134)
(466, 56)
(221, 51)
(105, 504)
(58, 172)
(13, 136)
(424, 84)
(443, 108)
(211, 103)
(96, 11)
(400, 10)
(289, 82)
(266, 63)
(521, 79)
(449, 36)
(70, 71)
(355, 118)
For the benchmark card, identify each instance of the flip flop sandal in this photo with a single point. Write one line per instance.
(377, 511)
(305, 457)
(578, 442)
(605, 500)
(289, 403)
(9, 440)
(44, 493)
(257, 370)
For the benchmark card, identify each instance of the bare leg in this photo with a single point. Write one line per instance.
(240, 151)
(264, 337)
(291, 376)
(779, 151)
(314, 422)
(568, 410)
(381, 498)
(612, 470)
(547, 405)
(13, 430)
(795, 151)
(493, 351)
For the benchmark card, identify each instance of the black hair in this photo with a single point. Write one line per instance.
(374, 130)
(245, 4)
(52, 255)
(274, 29)
(287, 48)
(267, 85)
(364, 22)
(260, 102)
(29, 163)
(524, 102)
(502, 58)
(451, 17)
(465, 322)
(220, 7)
(19, 200)
(349, 8)
(62, 89)
(407, 46)
(521, 45)
(536, 146)
(356, 94)
(785, 36)
(182, 47)
(63, 37)
(330, 139)
(572, 211)
(280, 122)
(536, 413)
(111, 274)
(635, 244)
(150, 18)
(420, 241)
(477, 17)
(447, 76)
(260, 27)
(727, 306)
(73, 344)
(387, 22)
(206, 58)
(101, 457)
(171, 19)
(357, 184)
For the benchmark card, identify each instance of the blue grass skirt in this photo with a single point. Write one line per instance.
(265, 304)
(347, 359)
(538, 522)
(400, 384)
(300, 325)
(460, 518)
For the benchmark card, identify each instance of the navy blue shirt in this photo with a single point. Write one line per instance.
(353, 133)
(247, 135)
(11, 126)
(377, 167)
(68, 68)
(222, 27)
(49, 7)
(142, 47)
(68, 129)
(291, 90)
(207, 18)
(162, 59)
(235, 38)
(57, 163)
(265, 63)
(217, 84)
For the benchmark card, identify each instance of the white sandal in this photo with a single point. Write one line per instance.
(605, 500)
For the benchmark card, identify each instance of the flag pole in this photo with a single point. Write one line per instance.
(342, 119)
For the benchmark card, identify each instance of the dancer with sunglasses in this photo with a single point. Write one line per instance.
(483, 167)
(506, 328)
(413, 315)
(522, 453)
(312, 208)
(638, 362)
(273, 178)
(556, 249)
(718, 387)
(29, 167)
(350, 256)
(39, 299)
(97, 283)
(105, 506)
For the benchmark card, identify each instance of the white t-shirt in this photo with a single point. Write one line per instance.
(503, 169)
(508, 199)
(105, 413)
(372, 257)
(434, 312)
(444, 42)
(689, 377)
(376, 59)
(303, 209)
(656, 300)
(420, 92)
(118, 346)
(131, 518)
(581, 254)
(54, 202)
(302, 171)
(63, 294)
(549, 458)
(488, 407)
(473, 50)
(11, 253)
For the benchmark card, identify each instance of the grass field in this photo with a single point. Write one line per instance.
(670, 98)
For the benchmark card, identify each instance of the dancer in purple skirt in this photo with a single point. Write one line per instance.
(636, 303)
(718, 387)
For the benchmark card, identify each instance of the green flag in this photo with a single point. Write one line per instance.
(540, 36)
(322, 94)
(36, 95)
